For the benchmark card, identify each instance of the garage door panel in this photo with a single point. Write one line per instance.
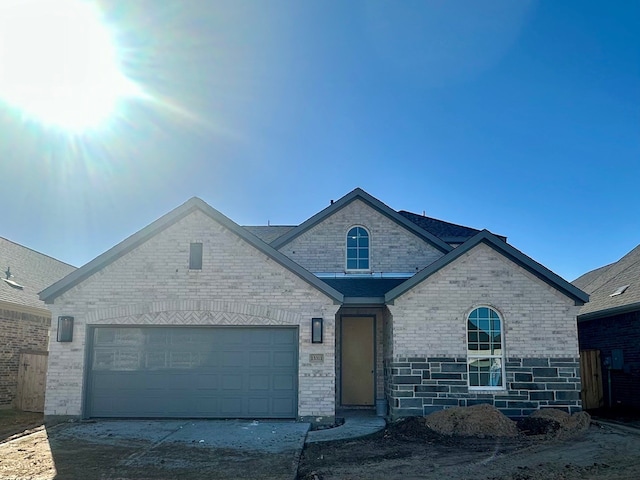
(284, 382)
(259, 359)
(284, 359)
(211, 372)
(259, 382)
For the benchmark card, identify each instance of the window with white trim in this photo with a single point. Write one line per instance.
(357, 249)
(485, 352)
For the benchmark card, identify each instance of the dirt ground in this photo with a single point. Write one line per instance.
(16, 422)
(151, 450)
(404, 450)
(409, 451)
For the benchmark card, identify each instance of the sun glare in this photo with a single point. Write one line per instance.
(59, 64)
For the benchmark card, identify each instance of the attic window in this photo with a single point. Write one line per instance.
(619, 291)
(195, 256)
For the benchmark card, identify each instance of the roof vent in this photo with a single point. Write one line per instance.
(13, 284)
(619, 291)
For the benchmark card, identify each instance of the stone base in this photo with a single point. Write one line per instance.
(418, 386)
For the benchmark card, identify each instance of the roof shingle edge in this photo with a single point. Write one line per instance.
(505, 249)
(376, 204)
(52, 292)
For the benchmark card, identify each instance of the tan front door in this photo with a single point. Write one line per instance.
(357, 361)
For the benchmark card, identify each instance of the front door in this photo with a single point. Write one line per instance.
(357, 361)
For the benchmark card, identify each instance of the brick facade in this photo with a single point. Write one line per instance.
(152, 285)
(420, 335)
(21, 332)
(426, 363)
(393, 248)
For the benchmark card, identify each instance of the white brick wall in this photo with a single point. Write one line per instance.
(392, 247)
(430, 320)
(238, 285)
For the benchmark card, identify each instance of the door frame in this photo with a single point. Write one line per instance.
(374, 357)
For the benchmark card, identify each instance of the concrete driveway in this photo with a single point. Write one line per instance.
(128, 449)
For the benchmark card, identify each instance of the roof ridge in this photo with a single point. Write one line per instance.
(439, 220)
(36, 251)
(615, 269)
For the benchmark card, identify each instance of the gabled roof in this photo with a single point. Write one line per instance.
(31, 271)
(359, 194)
(602, 282)
(268, 233)
(585, 282)
(504, 249)
(446, 231)
(98, 263)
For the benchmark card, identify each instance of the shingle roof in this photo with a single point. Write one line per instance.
(31, 270)
(604, 281)
(585, 282)
(446, 231)
(268, 233)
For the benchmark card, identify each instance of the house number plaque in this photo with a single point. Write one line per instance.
(316, 357)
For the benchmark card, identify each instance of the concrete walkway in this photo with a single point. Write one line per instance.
(357, 423)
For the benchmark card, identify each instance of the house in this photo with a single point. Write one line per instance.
(609, 333)
(24, 318)
(358, 306)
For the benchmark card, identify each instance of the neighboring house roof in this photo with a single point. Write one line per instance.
(359, 194)
(268, 233)
(57, 289)
(603, 283)
(31, 271)
(506, 250)
(585, 281)
(448, 232)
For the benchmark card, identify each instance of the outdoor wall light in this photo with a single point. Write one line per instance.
(316, 330)
(65, 329)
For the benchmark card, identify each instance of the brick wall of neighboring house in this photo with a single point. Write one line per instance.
(616, 332)
(393, 248)
(427, 368)
(19, 331)
(238, 285)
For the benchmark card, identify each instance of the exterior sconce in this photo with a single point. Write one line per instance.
(316, 330)
(65, 329)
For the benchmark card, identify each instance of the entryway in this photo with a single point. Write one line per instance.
(358, 360)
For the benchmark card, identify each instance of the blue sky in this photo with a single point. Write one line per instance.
(519, 117)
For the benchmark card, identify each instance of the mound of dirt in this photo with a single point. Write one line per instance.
(554, 422)
(475, 421)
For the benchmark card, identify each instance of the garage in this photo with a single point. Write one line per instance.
(192, 372)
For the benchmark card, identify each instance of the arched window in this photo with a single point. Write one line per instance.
(357, 249)
(485, 349)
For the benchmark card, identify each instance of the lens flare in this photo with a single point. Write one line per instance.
(59, 64)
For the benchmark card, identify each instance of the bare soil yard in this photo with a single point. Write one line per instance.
(405, 450)
(569, 450)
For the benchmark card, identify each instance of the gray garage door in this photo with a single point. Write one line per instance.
(210, 372)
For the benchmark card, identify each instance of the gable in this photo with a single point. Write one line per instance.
(431, 316)
(213, 220)
(503, 249)
(359, 194)
(393, 248)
